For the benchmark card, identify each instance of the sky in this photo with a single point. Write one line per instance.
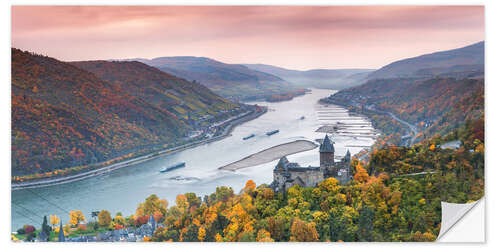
(295, 37)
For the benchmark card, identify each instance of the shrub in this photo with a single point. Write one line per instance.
(21, 230)
(81, 228)
(29, 229)
(141, 220)
(93, 225)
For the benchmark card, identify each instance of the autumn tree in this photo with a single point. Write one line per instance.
(249, 186)
(54, 220)
(303, 232)
(361, 174)
(165, 234)
(104, 218)
(152, 204)
(277, 227)
(223, 193)
(190, 234)
(75, 217)
(264, 236)
(202, 232)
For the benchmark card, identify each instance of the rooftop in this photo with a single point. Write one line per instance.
(326, 146)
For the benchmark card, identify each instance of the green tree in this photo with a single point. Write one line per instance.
(45, 227)
(365, 229)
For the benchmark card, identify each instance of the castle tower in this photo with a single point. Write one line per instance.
(61, 234)
(326, 154)
(347, 166)
(347, 157)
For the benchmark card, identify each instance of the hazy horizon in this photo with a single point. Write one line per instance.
(292, 37)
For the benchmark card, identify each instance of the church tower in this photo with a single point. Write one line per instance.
(326, 154)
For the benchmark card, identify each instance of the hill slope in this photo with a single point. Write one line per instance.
(64, 116)
(435, 106)
(229, 80)
(318, 78)
(467, 59)
(188, 101)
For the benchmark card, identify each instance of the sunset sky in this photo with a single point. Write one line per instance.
(294, 37)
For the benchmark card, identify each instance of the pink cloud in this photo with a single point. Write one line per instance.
(290, 36)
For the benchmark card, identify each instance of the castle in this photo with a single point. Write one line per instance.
(286, 174)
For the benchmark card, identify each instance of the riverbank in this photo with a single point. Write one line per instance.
(271, 154)
(228, 128)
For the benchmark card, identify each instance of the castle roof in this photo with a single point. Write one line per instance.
(282, 163)
(287, 166)
(326, 146)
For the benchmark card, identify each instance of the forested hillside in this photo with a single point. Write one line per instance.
(435, 105)
(160, 89)
(64, 116)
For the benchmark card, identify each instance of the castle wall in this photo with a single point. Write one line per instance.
(279, 179)
(310, 177)
(340, 171)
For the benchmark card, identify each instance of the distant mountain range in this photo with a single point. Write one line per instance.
(233, 81)
(466, 62)
(462, 62)
(72, 114)
(318, 78)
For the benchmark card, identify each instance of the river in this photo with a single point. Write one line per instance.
(123, 189)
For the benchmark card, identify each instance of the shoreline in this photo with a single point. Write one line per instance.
(107, 169)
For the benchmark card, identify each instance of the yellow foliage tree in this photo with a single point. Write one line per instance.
(54, 220)
(264, 236)
(218, 238)
(104, 218)
(75, 217)
(422, 201)
(423, 237)
(151, 205)
(182, 202)
(329, 185)
(201, 234)
(250, 185)
(119, 220)
(479, 148)
(65, 230)
(303, 232)
(361, 174)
